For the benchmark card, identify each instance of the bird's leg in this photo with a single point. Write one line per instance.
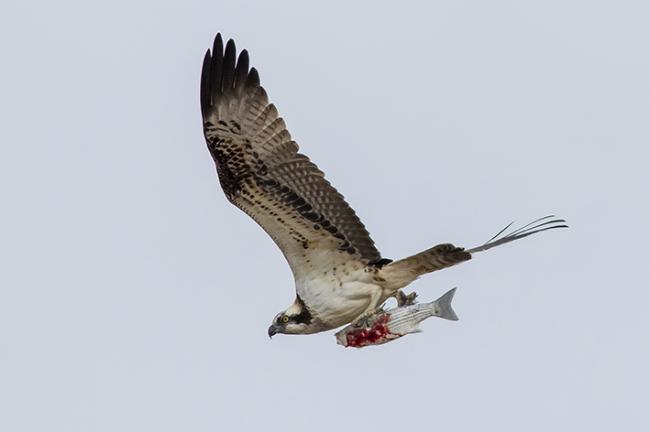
(404, 299)
(363, 320)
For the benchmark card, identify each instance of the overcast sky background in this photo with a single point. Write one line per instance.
(134, 297)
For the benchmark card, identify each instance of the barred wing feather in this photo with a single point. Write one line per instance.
(262, 173)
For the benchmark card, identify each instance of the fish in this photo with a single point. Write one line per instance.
(387, 325)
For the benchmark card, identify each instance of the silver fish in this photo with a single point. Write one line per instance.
(385, 326)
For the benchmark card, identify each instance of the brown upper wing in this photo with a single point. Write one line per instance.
(262, 173)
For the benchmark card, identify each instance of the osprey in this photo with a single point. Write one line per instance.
(340, 276)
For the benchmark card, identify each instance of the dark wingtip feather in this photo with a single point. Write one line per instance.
(216, 64)
(253, 79)
(241, 72)
(217, 45)
(229, 59)
(224, 71)
(205, 83)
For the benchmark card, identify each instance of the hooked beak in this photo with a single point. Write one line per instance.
(273, 330)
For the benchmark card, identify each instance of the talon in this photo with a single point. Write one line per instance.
(363, 320)
(405, 300)
(410, 299)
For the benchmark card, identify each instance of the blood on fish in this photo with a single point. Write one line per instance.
(377, 333)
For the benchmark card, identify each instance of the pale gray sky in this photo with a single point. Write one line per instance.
(133, 297)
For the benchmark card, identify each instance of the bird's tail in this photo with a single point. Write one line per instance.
(400, 273)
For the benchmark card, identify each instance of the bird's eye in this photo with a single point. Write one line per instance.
(284, 319)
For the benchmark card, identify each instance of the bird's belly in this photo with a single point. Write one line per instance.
(339, 303)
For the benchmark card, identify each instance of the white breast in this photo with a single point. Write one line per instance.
(339, 296)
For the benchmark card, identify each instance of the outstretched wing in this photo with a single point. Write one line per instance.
(262, 173)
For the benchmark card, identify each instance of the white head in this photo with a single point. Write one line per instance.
(296, 319)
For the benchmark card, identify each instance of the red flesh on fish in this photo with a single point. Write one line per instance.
(377, 334)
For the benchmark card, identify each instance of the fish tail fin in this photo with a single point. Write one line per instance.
(443, 306)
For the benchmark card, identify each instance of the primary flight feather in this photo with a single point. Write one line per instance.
(340, 276)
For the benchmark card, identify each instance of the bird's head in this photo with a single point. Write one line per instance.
(296, 319)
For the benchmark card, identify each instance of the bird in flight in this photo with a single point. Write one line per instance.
(340, 276)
